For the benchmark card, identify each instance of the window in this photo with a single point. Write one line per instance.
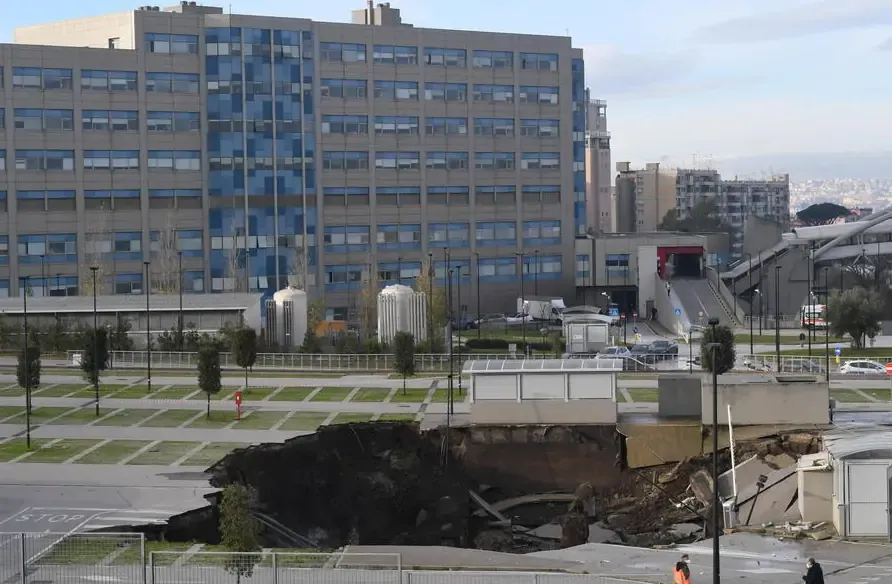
(4, 202)
(397, 160)
(344, 277)
(448, 196)
(541, 232)
(541, 95)
(540, 61)
(44, 159)
(40, 201)
(497, 269)
(126, 284)
(345, 124)
(490, 233)
(344, 88)
(398, 196)
(406, 125)
(171, 44)
(2, 159)
(493, 60)
(396, 90)
(37, 78)
(495, 195)
(495, 93)
(98, 80)
(394, 55)
(108, 200)
(342, 52)
(346, 196)
(173, 121)
(189, 242)
(172, 82)
(617, 263)
(175, 159)
(397, 272)
(541, 193)
(445, 126)
(58, 247)
(114, 120)
(393, 237)
(494, 160)
(446, 91)
(583, 267)
(47, 119)
(111, 159)
(447, 160)
(540, 160)
(445, 57)
(349, 161)
(4, 249)
(448, 234)
(549, 267)
(460, 269)
(494, 126)
(540, 128)
(2, 117)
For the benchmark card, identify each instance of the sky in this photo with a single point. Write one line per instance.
(685, 81)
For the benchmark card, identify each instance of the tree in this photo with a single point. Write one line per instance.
(119, 335)
(857, 312)
(94, 359)
(703, 217)
(209, 374)
(239, 531)
(368, 302)
(97, 250)
(726, 356)
(314, 317)
(404, 355)
(244, 346)
(437, 306)
(28, 368)
(822, 214)
(165, 257)
(297, 275)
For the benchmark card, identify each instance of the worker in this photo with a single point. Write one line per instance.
(814, 573)
(682, 571)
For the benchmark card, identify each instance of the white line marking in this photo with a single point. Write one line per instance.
(11, 517)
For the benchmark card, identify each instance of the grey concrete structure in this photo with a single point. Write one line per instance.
(765, 399)
(679, 396)
(365, 150)
(599, 194)
(643, 196)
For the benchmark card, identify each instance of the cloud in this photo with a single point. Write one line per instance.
(885, 46)
(611, 71)
(804, 20)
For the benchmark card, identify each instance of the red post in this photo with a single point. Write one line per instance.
(238, 405)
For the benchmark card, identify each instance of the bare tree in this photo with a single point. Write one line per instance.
(297, 263)
(235, 262)
(98, 236)
(165, 259)
(368, 300)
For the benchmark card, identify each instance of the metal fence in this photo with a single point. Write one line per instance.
(37, 558)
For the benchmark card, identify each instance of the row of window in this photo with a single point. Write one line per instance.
(60, 286)
(102, 80)
(103, 159)
(103, 120)
(359, 160)
(436, 57)
(438, 126)
(457, 92)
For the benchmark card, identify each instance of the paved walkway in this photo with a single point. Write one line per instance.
(152, 434)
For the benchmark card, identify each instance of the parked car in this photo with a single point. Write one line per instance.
(616, 352)
(519, 318)
(664, 349)
(491, 319)
(642, 352)
(862, 367)
(466, 323)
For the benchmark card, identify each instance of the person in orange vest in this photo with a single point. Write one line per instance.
(682, 572)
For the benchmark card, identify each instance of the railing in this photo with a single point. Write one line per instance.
(786, 322)
(125, 557)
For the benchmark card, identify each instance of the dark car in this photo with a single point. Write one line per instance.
(664, 350)
(643, 353)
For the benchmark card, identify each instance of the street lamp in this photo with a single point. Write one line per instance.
(756, 291)
(523, 314)
(43, 285)
(827, 322)
(180, 324)
(777, 270)
(477, 286)
(28, 370)
(449, 408)
(536, 275)
(148, 290)
(460, 325)
(399, 270)
(716, 504)
(93, 270)
(430, 300)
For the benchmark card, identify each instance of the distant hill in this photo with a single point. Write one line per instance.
(824, 166)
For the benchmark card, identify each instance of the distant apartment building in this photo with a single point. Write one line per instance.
(737, 201)
(256, 151)
(600, 202)
(643, 196)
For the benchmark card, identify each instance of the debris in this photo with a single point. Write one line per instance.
(597, 533)
(672, 475)
(486, 506)
(701, 486)
(685, 530)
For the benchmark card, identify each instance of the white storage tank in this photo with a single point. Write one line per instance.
(291, 316)
(401, 309)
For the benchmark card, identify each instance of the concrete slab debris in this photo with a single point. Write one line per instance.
(774, 503)
(747, 472)
(685, 530)
(597, 533)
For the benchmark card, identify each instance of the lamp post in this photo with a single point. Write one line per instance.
(460, 325)
(827, 322)
(180, 324)
(43, 285)
(809, 309)
(756, 291)
(760, 287)
(148, 290)
(28, 370)
(430, 300)
(93, 270)
(59, 285)
(477, 286)
(716, 503)
(536, 275)
(523, 314)
(399, 270)
(449, 408)
(777, 270)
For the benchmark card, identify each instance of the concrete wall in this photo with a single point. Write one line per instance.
(647, 278)
(679, 396)
(816, 495)
(767, 402)
(544, 412)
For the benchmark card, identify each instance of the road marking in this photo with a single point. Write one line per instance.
(11, 517)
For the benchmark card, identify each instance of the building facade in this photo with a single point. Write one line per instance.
(240, 153)
(643, 196)
(599, 194)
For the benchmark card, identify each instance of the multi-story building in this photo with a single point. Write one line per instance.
(643, 196)
(600, 202)
(254, 151)
(736, 201)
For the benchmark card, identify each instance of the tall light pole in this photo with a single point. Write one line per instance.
(777, 270)
(180, 324)
(460, 325)
(148, 289)
(809, 306)
(827, 321)
(28, 370)
(716, 503)
(449, 407)
(523, 314)
(43, 285)
(430, 300)
(536, 275)
(93, 270)
(759, 292)
(399, 270)
(477, 286)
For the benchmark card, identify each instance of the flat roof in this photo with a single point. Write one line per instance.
(131, 303)
(542, 365)
(853, 441)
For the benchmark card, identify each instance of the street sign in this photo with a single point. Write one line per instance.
(888, 368)
(678, 312)
(838, 351)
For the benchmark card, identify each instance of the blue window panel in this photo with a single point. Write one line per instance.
(98, 80)
(446, 91)
(2, 113)
(171, 44)
(346, 88)
(2, 159)
(396, 90)
(342, 52)
(540, 61)
(337, 160)
(52, 286)
(193, 282)
(442, 235)
(339, 278)
(435, 57)
(399, 272)
(500, 93)
(172, 82)
(395, 237)
(540, 161)
(578, 81)
(534, 94)
(496, 233)
(541, 128)
(583, 266)
(394, 55)
(494, 126)
(126, 283)
(446, 126)
(541, 232)
(58, 247)
(492, 270)
(617, 264)
(44, 160)
(346, 238)
(493, 60)
(548, 268)
(461, 268)
(223, 35)
(579, 217)
(37, 78)
(397, 160)
(4, 249)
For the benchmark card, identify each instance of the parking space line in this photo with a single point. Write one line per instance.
(11, 517)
